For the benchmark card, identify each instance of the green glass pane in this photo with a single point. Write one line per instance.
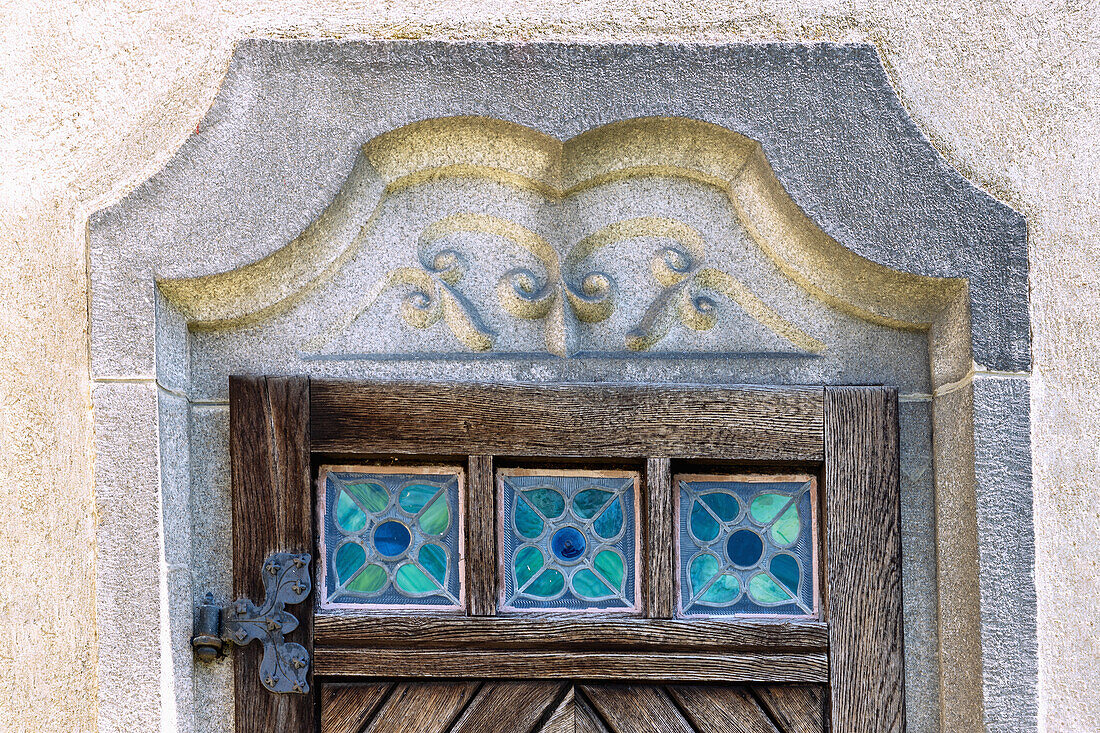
(549, 502)
(589, 501)
(371, 495)
(437, 517)
(528, 523)
(766, 506)
(763, 589)
(349, 558)
(412, 579)
(785, 529)
(434, 560)
(415, 497)
(786, 571)
(371, 579)
(349, 517)
(587, 585)
(550, 583)
(609, 523)
(609, 566)
(703, 525)
(724, 590)
(527, 562)
(702, 569)
(724, 505)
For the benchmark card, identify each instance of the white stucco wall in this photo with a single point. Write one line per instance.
(95, 97)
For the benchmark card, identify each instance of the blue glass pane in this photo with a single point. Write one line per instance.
(406, 543)
(391, 538)
(746, 546)
(568, 540)
(568, 543)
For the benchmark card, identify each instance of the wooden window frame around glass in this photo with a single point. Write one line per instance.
(283, 429)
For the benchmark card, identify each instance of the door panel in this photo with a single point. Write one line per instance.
(550, 707)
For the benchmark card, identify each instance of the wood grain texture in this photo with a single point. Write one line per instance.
(516, 707)
(481, 560)
(270, 463)
(636, 709)
(522, 664)
(659, 567)
(346, 708)
(863, 549)
(510, 632)
(795, 708)
(614, 421)
(418, 707)
(718, 709)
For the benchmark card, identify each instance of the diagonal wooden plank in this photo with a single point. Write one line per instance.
(347, 708)
(722, 709)
(516, 707)
(573, 715)
(636, 709)
(422, 708)
(796, 708)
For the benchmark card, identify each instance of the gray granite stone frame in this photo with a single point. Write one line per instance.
(758, 213)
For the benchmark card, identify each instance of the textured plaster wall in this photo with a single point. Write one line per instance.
(94, 97)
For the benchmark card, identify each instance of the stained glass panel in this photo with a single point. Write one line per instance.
(569, 540)
(747, 545)
(390, 537)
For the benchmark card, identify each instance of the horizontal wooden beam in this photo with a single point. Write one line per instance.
(502, 633)
(525, 664)
(613, 421)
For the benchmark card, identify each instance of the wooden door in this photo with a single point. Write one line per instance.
(646, 660)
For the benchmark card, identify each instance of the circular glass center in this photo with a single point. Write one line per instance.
(391, 538)
(745, 548)
(567, 543)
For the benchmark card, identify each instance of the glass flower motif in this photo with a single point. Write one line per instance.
(390, 537)
(747, 546)
(569, 540)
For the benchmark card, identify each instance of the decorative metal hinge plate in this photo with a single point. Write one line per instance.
(285, 665)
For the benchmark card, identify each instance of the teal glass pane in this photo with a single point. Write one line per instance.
(590, 501)
(610, 522)
(704, 527)
(405, 540)
(569, 540)
(587, 585)
(746, 546)
(528, 523)
(527, 562)
(548, 502)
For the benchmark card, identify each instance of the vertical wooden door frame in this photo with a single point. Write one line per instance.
(272, 511)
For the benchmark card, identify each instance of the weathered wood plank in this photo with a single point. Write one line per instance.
(427, 632)
(346, 708)
(863, 548)
(422, 707)
(270, 465)
(719, 709)
(516, 707)
(636, 708)
(615, 421)
(796, 708)
(480, 549)
(660, 569)
(523, 664)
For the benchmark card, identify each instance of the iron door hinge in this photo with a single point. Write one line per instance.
(285, 665)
